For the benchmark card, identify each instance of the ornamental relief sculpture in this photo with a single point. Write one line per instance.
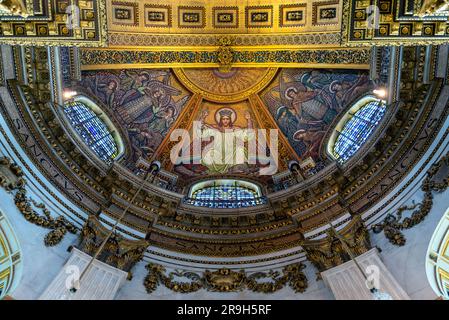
(12, 180)
(226, 280)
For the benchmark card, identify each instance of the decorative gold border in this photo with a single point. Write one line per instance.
(236, 97)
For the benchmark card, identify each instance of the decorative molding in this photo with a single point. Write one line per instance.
(48, 24)
(329, 252)
(226, 280)
(118, 252)
(437, 180)
(113, 59)
(12, 179)
(189, 41)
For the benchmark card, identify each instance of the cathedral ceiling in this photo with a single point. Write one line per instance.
(198, 25)
(261, 22)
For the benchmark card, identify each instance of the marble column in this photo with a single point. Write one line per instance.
(347, 282)
(101, 282)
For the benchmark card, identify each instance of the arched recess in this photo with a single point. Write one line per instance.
(437, 258)
(355, 128)
(98, 120)
(10, 258)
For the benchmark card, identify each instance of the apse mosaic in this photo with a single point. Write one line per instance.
(305, 102)
(145, 102)
(302, 103)
(234, 121)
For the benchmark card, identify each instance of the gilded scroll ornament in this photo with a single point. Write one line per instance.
(118, 252)
(225, 54)
(12, 180)
(226, 280)
(329, 252)
(437, 180)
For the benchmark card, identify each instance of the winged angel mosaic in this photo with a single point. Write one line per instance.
(304, 103)
(146, 102)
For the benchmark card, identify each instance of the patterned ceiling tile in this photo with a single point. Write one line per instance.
(292, 15)
(158, 15)
(259, 16)
(225, 17)
(125, 13)
(325, 13)
(191, 17)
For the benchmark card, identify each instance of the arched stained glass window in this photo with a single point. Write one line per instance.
(92, 130)
(225, 194)
(356, 127)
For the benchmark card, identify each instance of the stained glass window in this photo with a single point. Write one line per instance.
(225, 194)
(92, 130)
(358, 129)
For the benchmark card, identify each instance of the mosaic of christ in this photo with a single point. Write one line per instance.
(224, 133)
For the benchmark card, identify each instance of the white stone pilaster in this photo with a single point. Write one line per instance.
(347, 282)
(101, 282)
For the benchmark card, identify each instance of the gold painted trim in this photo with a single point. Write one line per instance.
(216, 65)
(226, 98)
(5, 273)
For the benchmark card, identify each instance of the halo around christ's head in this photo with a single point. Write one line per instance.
(225, 112)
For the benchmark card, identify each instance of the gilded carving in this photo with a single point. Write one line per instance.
(54, 22)
(119, 252)
(226, 280)
(437, 180)
(225, 54)
(14, 7)
(12, 179)
(329, 252)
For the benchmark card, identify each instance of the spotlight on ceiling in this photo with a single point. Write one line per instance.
(293, 166)
(155, 167)
(380, 93)
(69, 94)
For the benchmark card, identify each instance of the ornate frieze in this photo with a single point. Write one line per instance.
(226, 280)
(335, 57)
(12, 179)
